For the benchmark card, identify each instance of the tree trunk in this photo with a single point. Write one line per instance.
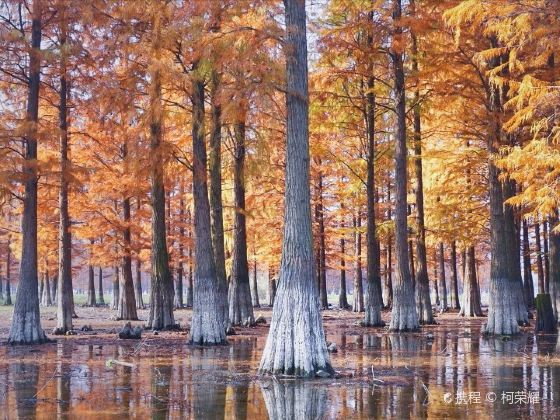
(116, 286)
(423, 298)
(358, 283)
(216, 204)
(208, 323)
(441, 278)
(100, 287)
(403, 316)
(41, 290)
(322, 269)
(435, 285)
(471, 294)
(240, 305)
(389, 256)
(91, 301)
(342, 296)
(271, 288)
(26, 321)
(179, 303)
(454, 280)
(540, 271)
(546, 259)
(528, 285)
(8, 300)
(55, 287)
(374, 301)
(554, 256)
(296, 343)
(190, 290)
(127, 301)
(161, 292)
(138, 281)
(65, 308)
(255, 288)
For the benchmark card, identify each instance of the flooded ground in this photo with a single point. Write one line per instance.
(446, 371)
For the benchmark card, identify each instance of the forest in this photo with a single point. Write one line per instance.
(279, 209)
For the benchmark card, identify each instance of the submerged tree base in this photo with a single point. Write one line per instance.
(502, 312)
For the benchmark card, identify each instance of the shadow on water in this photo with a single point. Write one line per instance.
(444, 373)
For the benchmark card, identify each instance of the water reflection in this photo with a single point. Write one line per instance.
(433, 374)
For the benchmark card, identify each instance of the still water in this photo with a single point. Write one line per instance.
(448, 374)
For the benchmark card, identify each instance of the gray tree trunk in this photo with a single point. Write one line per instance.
(65, 308)
(8, 300)
(374, 301)
(208, 316)
(321, 252)
(389, 254)
(358, 304)
(101, 298)
(471, 306)
(546, 258)
(26, 321)
(240, 305)
(161, 293)
(554, 256)
(454, 280)
(216, 204)
(271, 288)
(441, 279)
(342, 295)
(180, 265)
(116, 286)
(138, 279)
(403, 315)
(528, 286)
(296, 342)
(255, 288)
(91, 301)
(422, 289)
(190, 257)
(288, 400)
(127, 300)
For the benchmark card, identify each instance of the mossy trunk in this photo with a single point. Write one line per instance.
(554, 255)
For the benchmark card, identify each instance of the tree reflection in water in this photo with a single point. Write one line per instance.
(293, 399)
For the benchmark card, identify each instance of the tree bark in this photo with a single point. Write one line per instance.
(216, 203)
(546, 260)
(127, 300)
(208, 323)
(179, 303)
(296, 343)
(423, 298)
(8, 300)
(342, 295)
(271, 288)
(100, 287)
(321, 254)
(116, 286)
(389, 256)
(540, 270)
(240, 305)
(190, 290)
(138, 280)
(358, 304)
(91, 301)
(161, 293)
(26, 321)
(441, 278)
(454, 280)
(471, 306)
(403, 315)
(374, 301)
(65, 308)
(554, 256)
(255, 288)
(528, 285)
